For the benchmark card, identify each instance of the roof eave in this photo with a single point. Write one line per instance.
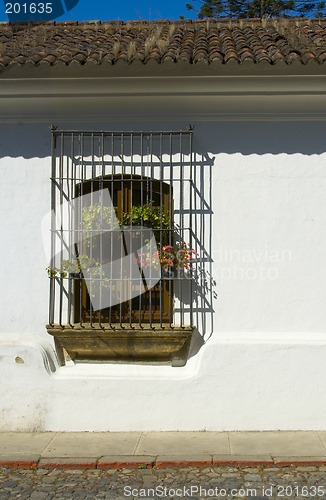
(154, 69)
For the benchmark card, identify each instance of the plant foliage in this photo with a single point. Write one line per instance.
(96, 218)
(257, 8)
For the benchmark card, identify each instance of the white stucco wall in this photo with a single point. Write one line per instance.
(262, 366)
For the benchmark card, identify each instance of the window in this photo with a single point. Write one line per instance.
(140, 203)
(121, 236)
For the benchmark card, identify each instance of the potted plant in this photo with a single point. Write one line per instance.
(125, 342)
(176, 259)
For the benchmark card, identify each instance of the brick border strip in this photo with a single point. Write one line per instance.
(163, 461)
(19, 461)
(159, 462)
(244, 460)
(297, 461)
(126, 462)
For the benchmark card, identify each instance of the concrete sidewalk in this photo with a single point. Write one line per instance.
(160, 449)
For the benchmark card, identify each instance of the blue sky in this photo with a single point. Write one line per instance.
(124, 10)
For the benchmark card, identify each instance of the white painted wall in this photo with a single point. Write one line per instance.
(262, 366)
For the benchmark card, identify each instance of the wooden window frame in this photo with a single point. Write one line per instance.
(156, 304)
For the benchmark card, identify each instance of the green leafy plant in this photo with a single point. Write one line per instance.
(85, 265)
(97, 218)
(151, 216)
(75, 266)
(257, 8)
(147, 214)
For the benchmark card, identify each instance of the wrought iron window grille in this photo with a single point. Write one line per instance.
(122, 231)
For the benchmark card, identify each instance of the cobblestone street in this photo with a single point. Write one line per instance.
(173, 483)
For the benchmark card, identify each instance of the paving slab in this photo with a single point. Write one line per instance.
(132, 450)
(91, 444)
(276, 443)
(24, 442)
(322, 437)
(183, 443)
(67, 463)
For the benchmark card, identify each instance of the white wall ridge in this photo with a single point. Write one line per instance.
(209, 85)
(118, 371)
(291, 338)
(189, 117)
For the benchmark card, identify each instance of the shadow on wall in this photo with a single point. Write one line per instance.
(260, 137)
(34, 140)
(198, 292)
(209, 139)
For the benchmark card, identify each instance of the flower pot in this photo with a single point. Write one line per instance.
(125, 344)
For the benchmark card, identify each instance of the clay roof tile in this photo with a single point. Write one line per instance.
(224, 40)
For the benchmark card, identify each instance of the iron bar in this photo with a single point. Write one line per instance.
(152, 169)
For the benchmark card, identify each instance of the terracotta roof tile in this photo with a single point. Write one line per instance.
(192, 42)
